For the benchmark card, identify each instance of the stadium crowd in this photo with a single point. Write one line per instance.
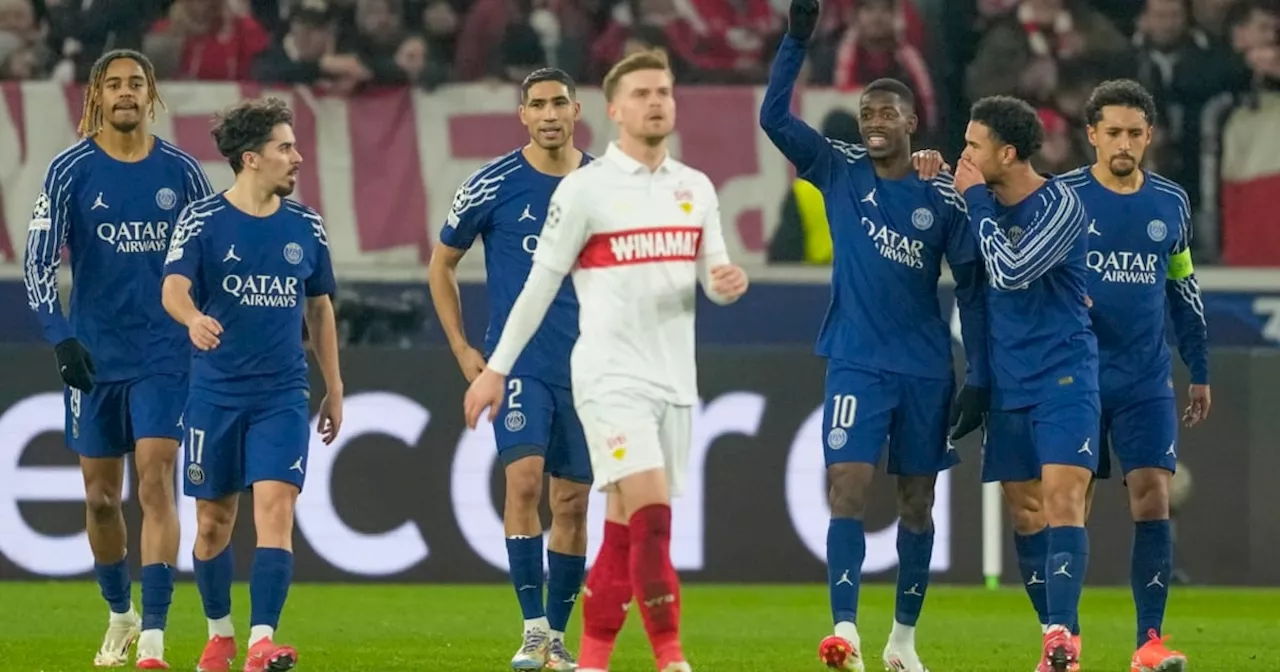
(1202, 58)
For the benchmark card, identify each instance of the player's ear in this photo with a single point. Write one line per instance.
(577, 111)
(913, 122)
(1092, 133)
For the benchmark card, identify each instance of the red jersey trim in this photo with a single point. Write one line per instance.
(641, 246)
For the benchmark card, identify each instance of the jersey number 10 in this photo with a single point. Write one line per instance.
(843, 408)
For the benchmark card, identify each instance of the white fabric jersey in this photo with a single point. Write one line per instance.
(637, 242)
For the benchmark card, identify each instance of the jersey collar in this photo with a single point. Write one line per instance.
(631, 166)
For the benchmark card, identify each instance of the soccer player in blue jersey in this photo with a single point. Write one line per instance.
(259, 266)
(888, 346)
(1042, 431)
(504, 203)
(112, 199)
(1140, 262)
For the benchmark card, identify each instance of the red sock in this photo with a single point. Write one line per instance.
(605, 601)
(654, 581)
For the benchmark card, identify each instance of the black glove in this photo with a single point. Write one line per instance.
(804, 18)
(74, 364)
(969, 410)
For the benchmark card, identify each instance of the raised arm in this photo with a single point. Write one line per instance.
(1043, 243)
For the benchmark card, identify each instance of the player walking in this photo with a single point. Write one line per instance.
(638, 230)
(112, 200)
(889, 371)
(505, 202)
(1140, 261)
(1042, 432)
(260, 265)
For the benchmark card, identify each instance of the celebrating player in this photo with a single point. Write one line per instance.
(260, 265)
(889, 371)
(1042, 431)
(1139, 236)
(638, 230)
(113, 199)
(505, 203)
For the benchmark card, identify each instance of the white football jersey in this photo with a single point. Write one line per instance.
(637, 242)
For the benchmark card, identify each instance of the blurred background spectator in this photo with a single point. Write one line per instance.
(1202, 59)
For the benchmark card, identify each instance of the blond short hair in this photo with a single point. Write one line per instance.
(654, 59)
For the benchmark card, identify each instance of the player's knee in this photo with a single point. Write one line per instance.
(915, 504)
(1149, 496)
(214, 525)
(155, 493)
(847, 495)
(103, 503)
(524, 483)
(569, 504)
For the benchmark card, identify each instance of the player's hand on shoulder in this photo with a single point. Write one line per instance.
(485, 392)
(75, 365)
(729, 281)
(967, 175)
(929, 163)
(205, 332)
(330, 416)
(471, 362)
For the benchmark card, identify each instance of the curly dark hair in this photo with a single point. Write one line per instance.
(247, 127)
(1123, 93)
(1011, 121)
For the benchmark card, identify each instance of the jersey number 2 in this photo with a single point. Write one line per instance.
(516, 387)
(843, 408)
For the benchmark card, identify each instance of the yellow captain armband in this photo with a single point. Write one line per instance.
(1180, 265)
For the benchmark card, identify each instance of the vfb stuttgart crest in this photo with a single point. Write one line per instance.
(684, 196)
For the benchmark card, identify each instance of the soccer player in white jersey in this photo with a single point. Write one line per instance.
(638, 230)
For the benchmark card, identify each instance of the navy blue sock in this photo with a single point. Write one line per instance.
(113, 579)
(269, 585)
(846, 550)
(564, 580)
(1033, 553)
(157, 594)
(915, 550)
(213, 578)
(524, 554)
(1152, 565)
(1068, 562)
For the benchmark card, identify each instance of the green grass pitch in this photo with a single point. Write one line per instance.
(56, 627)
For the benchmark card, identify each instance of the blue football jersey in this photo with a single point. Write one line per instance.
(115, 219)
(1140, 262)
(889, 239)
(1035, 254)
(253, 275)
(504, 203)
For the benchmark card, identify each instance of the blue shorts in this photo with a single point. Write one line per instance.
(1141, 434)
(865, 408)
(1062, 430)
(538, 419)
(227, 450)
(109, 420)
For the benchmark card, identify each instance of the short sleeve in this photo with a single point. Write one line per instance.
(321, 281)
(471, 212)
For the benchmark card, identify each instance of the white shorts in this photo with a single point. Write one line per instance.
(629, 432)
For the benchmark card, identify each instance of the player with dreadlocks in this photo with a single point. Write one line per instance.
(112, 199)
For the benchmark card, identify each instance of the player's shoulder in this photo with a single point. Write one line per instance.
(851, 151)
(202, 208)
(692, 176)
(176, 155)
(300, 210)
(1167, 188)
(495, 171)
(69, 160)
(1061, 189)
(584, 176)
(1075, 179)
(943, 187)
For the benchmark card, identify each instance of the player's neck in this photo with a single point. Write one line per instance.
(127, 147)
(252, 199)
(893, 167)
(558, 162)
(650, 155)
(1127, 184)
(1020, 183)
